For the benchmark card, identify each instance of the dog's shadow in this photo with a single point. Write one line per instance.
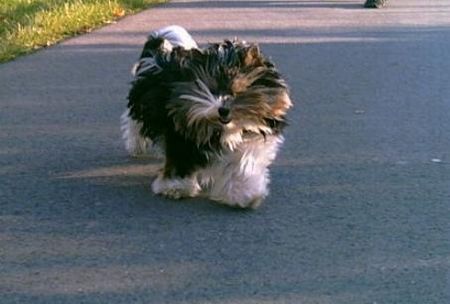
(129, 184)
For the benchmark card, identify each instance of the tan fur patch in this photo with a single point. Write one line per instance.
(282, 104)
(240, 84)
(253, 56)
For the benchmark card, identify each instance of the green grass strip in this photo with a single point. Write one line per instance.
(27, 25)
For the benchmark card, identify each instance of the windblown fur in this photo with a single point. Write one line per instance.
(217, 112)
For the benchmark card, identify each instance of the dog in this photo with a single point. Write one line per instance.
(216, 112)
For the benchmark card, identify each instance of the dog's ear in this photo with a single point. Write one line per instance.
(252, 56)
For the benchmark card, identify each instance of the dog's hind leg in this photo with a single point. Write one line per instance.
(135, 143)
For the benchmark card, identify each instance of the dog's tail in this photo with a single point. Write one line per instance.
(162, 41)
(176, 36)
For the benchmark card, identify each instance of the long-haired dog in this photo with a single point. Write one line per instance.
(217, 113)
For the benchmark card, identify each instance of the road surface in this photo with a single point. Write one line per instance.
(359, 210)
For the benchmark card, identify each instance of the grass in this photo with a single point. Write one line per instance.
(27, 25)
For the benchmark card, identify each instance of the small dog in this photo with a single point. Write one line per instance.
(217, 113)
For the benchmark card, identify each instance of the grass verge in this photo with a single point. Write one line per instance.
(27, 25)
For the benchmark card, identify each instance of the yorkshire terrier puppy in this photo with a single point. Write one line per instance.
(216, 112)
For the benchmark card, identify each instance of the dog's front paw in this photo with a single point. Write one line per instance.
(255, 202)
(243, 202)
(240, 191)
(176, 188)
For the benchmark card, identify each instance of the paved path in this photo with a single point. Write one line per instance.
(360, 203)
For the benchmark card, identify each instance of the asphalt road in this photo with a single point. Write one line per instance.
(360, 199)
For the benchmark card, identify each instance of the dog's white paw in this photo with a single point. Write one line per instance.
(240, 191)
(176, 188)
(255, 202)
(243, 201)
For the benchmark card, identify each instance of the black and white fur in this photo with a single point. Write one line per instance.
(216, 112)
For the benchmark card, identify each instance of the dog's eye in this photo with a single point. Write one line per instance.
(277, 125)
(272, 123)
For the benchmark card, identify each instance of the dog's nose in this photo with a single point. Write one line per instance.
(224, 114)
